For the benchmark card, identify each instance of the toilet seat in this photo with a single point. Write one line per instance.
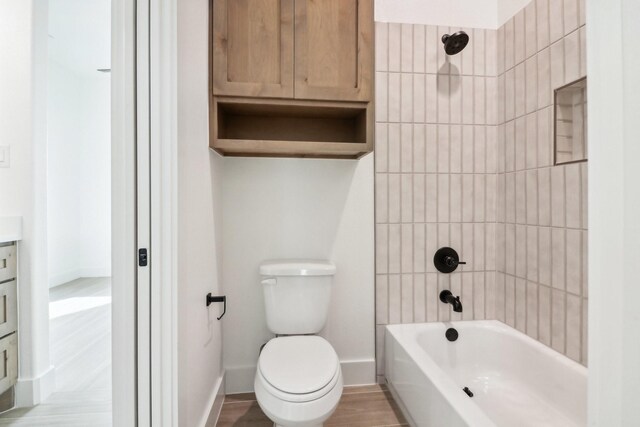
(298, 368)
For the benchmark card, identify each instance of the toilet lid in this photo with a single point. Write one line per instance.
(298, 364)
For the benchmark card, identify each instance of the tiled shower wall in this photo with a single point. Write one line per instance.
(436, 171)
(542, 214)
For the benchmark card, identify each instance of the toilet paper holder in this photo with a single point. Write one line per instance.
(222, 298)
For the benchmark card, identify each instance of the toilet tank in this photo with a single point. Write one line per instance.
(297, 295)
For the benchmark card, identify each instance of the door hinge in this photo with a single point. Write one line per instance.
(143, 257)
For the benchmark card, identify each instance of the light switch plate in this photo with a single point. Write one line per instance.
(4, 156)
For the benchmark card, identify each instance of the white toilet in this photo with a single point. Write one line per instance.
(298, 381)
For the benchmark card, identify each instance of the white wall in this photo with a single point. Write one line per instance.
(199, 236)
(489, 14)
(79, 178)
(23, 49)
(298, 208)
(78, 140)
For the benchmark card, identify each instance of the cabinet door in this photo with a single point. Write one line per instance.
(334, 49)
(252, 45)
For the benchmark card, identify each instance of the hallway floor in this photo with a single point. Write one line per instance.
(80, 319)
(361, 406)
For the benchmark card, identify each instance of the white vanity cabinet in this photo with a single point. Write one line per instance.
(8, 324)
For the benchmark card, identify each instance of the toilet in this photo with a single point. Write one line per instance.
(298, 379)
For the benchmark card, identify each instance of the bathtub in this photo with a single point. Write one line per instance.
(515, 380)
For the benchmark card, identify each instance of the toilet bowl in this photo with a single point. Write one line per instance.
(298, 380)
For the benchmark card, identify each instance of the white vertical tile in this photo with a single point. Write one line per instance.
(501, 45)
(490, 246)
(500, 297)
(583, 51)
(455, 149)
(382, 46)
(382, 101)
(572, 194)
(510, 94)
(544, 315)
(431, 245)
(406, 184)
(455, 190)
(443, 98)
(467, 55)
(395, 308)
(510, 146)
(418, 94)
(521, 251)
(406, 254)
(443, 58)
(519, 32)
(443, 198)
(521, 304)
(556, 24)
(431, 98)
(531, 140)
(394, 97)
(479, 246)
(406, 48)
(406, 99)
(544, 197)
(557, 64)
(455, 94)
(479, 66)
(492, 149)
(491, 100)
(467, 198)
(394, 248)
(571, 15)
(542, 12)
(419, 52)
(419, 305)
(419, 148)
(572, 57)
(468, 93)
(394, 147)
(491, 52)
(532, 253)
(520, 83)
(467, 149)
(382, 248)
(544, 78)
(467, 295)
(585, 332)
(558, 302)
(406, 147)
(419, 193)
(431, 197)
(544, 256)
(394, 47)
(394, 198)
(479, 97)
(467, 249)
(479, 198)
(585, 194)
(510, 251)
(431, 148)
(574, 261)
(432, 45)
(545, 141)
(510, 301)
(510, 197)
(583, 12)
(480, 149)
(382, 198)
(431, 297)
(443, 148)
(509, 41)
(419, 242)
(382, 299)
(532, 197)
(531, 86)
(574, 331)
(531, 41)
(558, 258)
(490, 196)
(557, 197)
(382, 147)
(520, 143)
(532, 309)
(479, 296)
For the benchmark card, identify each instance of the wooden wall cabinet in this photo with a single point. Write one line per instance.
(292, 77)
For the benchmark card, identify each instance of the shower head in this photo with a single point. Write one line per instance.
(454, 43)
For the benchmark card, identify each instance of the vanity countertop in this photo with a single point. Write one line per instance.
(10, 228)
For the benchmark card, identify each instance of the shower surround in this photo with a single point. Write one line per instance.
(464, 159)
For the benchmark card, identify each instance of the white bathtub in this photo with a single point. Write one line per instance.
(515, 380)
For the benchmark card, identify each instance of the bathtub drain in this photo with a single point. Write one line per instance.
(466, 390)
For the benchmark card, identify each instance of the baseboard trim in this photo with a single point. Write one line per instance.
(68, 276)
(210, 418)
(354, 372)
(32, 391)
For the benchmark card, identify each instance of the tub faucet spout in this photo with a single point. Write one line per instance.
(447, 297)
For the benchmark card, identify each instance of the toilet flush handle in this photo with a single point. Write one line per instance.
(271, 281)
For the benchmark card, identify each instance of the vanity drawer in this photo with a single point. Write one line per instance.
(8, 362)
(8, 308)
(7, 262)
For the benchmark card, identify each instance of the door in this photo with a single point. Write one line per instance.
(252, 45)
(334, 49)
